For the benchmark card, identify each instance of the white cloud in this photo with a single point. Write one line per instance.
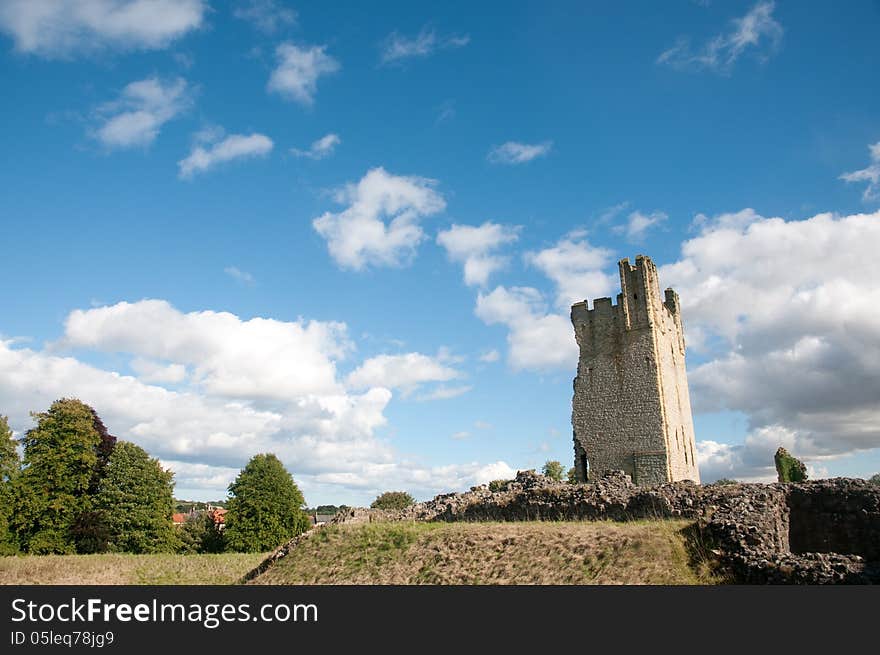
(791, 314)
(53, 28)
(240, 276)
(257, 385)
(268, 16)
(490, 356)
(258, 358)
(870, 174)
(458, 436)
(298, 70)
(359, 236)
(445, 392)
(397, 48)
(514, 152)
(638, 223)
(757, 30)
(495, 471)
(234, 146)
(148, 370)
(405, 372)
(140, 112)
(473, 246)
(576, 267)
(320, 149)
(537, 340)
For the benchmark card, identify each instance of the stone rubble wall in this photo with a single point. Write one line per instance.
(746, 525)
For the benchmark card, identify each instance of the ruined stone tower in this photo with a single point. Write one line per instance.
(631, 409)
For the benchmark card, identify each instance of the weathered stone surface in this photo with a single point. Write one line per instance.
(757, 530)
(631, 407)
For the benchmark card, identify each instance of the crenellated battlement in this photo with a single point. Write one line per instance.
(639, 306)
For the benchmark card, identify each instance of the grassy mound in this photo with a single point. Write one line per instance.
(640, 552)
(110, 569)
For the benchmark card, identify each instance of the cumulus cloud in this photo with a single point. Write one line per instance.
(785, 312)
(537, 339)
(320, 149)
(514, 152)
(380, 226)
(267, 16)
(638, 223)
(143, 107)
(148, 370)
(474, 246)
(52, 29)
(296, 75)
(870, 174)
(397, 48)
(235, 146)
(241, 387)
(405, 372)
(577, 268)
(757, 31)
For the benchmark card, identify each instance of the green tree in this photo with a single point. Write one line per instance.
(136, 499)
(553, 470)
(498, 485)
(9, 468)
(725, 481)
(265, 509)
(62, 459)
(788, 468)
(571, 476)
(199, 534)
(391, 500)
(875, 479)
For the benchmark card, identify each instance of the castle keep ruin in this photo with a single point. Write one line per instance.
(631, 409)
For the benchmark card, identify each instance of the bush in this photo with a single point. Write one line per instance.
(498, 485)
(393, 500)
(875, 479)
(788, 468)
(724, 481)
(571, 476)
(553, 470)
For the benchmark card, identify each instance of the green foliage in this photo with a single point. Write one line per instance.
(875, 479)
(553, 470)
(52, 492)
(9, 468)
(393, 500)
(136, 499)
(200, 535)
(788, 468)
(571, 476)
(498, 485)
(724, 481)
(266, 507)
(186, 506)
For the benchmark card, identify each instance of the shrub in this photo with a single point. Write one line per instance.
(788, 468)
(393, 500)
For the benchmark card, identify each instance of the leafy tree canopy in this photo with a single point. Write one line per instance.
(393, 500)
(571, 476)
(9, 467)
(553, 470)
(265, 509)
(136, 498)
(62, 457)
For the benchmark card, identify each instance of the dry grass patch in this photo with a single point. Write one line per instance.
(640, 552)
(113, 569)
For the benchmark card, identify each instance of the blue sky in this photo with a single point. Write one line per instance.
(225, 227)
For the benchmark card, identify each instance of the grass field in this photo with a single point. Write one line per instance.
(641, 552)
(109, 569)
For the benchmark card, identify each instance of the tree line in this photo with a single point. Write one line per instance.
(78, 489)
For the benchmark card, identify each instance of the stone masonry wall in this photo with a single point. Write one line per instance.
(631, 407)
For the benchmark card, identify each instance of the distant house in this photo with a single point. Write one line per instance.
(218, 515)
(178, 519)
(321, 519)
